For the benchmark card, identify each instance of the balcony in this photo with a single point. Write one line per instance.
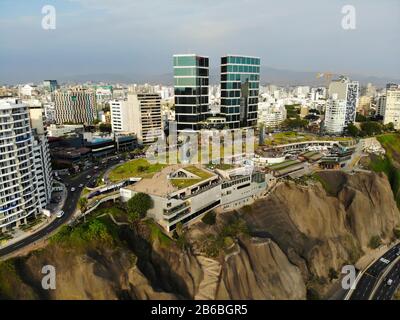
(174, 210)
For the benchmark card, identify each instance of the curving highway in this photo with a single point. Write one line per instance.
(373, 283)
(69, 208)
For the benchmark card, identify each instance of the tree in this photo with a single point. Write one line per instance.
(352, 130)
(371, 128)
(138, 205)
(83, 203)
(295, 123)
(389, 127)
(360, 118)
(179, 229)
(105, 127)
(209, 218)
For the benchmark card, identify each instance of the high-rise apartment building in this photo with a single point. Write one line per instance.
(380, 105)
(121, 116)
(20, 162)
(392, 106)
(76, 106)
(349, 91)
(146, 116)
(51, 85)
(139, 113)
(240, 81)
(191, 74)
(43, 170)
(335, 115)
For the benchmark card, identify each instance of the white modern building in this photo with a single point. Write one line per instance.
(346, 90)
(392, 106)
(54, 130)
(183, 194)
(335, 115)
(19, 166)
(121, 116)
(271, 115)
(139, 113)
(43, 171)
(26, 90)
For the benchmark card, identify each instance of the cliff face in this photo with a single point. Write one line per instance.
(320, 230)
(260, 270)
(290, 239)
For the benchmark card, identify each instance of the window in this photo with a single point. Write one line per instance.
(184, 61)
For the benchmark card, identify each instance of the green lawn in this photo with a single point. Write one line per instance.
(292, 137)
(184, 183)
(391, 143)
(157, 233)
(389, 164)
(283, 165)
(135, 168)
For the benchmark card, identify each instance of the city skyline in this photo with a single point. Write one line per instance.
(96, 37)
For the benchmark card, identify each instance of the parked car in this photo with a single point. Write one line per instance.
(73, 189)
(60, 214)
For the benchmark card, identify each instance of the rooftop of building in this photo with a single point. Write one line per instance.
(189, 55)
(163, 183)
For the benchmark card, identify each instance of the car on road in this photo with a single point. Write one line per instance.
(73, 189)
(60, 214)
(398, 252)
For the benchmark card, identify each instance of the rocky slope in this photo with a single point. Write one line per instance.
(278, 248)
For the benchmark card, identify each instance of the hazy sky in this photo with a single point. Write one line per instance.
(139, 37)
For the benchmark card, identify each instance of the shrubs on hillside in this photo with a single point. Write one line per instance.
(209, 218)
(374, 242)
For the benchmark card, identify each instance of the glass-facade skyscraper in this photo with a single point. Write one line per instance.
(240, 81)
(191, 90)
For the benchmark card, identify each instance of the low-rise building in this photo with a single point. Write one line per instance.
(183, 194)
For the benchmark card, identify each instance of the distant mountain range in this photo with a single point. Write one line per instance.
(268, 75)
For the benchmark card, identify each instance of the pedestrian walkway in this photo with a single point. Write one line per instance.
(209, 284)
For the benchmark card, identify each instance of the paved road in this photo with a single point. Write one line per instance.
(385, 291)
(69, 208)
(370, 278)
